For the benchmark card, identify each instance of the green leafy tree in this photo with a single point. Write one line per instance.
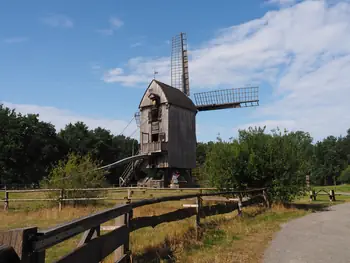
(345, 176)
(76, 172)
(257, 159)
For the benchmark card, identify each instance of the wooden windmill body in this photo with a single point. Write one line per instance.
(167, 120)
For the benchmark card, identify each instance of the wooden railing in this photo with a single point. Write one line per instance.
(30, 243)
(63, 195)
(154, 147)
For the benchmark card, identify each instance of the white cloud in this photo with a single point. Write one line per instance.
(114, 24)
(106, 32)
(282, 2)
(301, 51)
(58, 20)
(137, 44)
(14, 40)
(60, 118)
(143, 71)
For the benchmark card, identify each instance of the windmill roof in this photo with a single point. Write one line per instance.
(176, 97)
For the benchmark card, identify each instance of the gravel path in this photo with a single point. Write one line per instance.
(315, 238)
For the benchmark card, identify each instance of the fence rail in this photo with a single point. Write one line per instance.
(64, 195)
(30, 244)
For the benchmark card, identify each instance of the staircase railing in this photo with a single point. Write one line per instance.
(125, 177)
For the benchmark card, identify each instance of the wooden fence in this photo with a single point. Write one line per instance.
(64, 196)
(29, 244)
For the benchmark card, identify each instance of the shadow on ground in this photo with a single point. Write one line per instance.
(314, 207)
(165, 251)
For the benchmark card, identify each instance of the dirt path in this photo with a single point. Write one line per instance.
(315, 238)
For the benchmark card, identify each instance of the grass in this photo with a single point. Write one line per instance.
(225, 238)
(38, 205)
(345, 188)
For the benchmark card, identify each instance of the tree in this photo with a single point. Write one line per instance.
(257, 159)
(345, 176)
(28, 147)
(76, 172)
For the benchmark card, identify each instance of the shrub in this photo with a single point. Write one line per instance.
(76, 172)
(345, 176)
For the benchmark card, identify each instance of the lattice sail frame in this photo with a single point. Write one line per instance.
(228, 98)
(179, 64)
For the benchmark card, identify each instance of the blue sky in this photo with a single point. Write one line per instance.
(92, 61)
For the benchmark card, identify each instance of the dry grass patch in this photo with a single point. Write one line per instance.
(225, 238)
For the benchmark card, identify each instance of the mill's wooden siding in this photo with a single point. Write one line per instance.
(182, 138)
(156, 89)
(178, 126)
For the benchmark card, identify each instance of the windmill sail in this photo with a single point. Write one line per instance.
(228, 98)
(179, 64)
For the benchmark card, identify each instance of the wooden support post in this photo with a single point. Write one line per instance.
(122, 254)
(89, 235)
(240, 204)
(6, 201)
(198, 217)
(331, 195)
(127, 251)
(119, 252)
(60, 200)
(130, 192)
(266, 198)
(311, 196)
(21, 241)
(8, 254)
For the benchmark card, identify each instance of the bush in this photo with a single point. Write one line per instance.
(76, 172)
(257, 159)
(345, 176)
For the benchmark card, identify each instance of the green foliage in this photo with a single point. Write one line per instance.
(345, 176)
(29, 148)
(74, 173)
(257, 159)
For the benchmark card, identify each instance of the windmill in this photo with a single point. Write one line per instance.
(167, 121)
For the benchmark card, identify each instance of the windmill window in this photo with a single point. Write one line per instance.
(155, 137)
(154, 114)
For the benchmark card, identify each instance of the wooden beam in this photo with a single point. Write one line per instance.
(8, 254)
(98, 248)
(20, 240)
(55, 235)
(152, 221)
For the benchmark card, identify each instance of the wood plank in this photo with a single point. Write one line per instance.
(88, 235)
(109, 228)
(98, 248)
(152, 221)
(123, 259)
(19, 239)
(190, 205)
(62, 232)
(8, 254)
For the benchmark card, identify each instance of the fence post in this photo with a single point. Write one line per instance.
(6, 201)
(266, 198)
(20, 240)
(129, 196)
(311, 196)
(331, 195)
(198, 217)
(60, 200)
(240, 204)
(124, 250)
